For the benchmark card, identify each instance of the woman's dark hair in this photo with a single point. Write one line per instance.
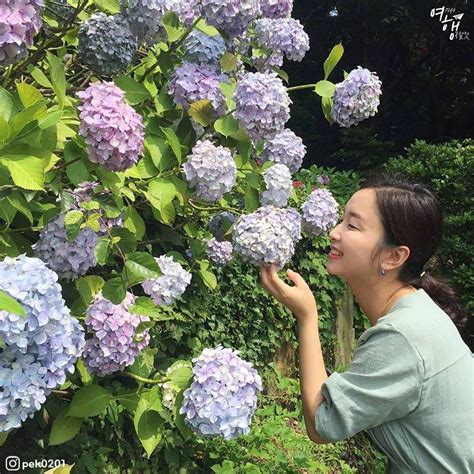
(411, 215)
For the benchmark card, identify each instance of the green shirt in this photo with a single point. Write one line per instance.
(411, 386)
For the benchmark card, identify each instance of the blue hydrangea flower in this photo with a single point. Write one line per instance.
(220, 253)
(69, 259)
(223, 395)
(40, 347)
(170, 285)
(276, 8)
(356, 98)
(145, 19)
(262, 104)
(285, 148)
(204, 49)
(211, 169)
(267, 235)
(320, 211)
(278, 186)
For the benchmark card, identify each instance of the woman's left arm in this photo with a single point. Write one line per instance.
(301, 302)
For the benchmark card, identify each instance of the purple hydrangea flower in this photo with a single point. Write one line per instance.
(145, 19)
(111, 128)
(320, 211)
(267, 235)
(169, 286)
(278, 185)
(85, 193)
(114, 343)
(40, 347)
(356, 98)
(220, 253)
(187, 10)
(106, 44)
(262, 104)
(69, 259)
(276, 8)
(211, 169)
(220, 223)
(192, 82)
(231, 16)
(285, 148)
(323, 179)
(285, 36)
(20, 22)
(204, 49)
(223, 395)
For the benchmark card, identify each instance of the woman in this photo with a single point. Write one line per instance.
(411, 380)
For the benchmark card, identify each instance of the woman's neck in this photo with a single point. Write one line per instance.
(375, 301)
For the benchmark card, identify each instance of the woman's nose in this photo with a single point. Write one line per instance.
(334, 234)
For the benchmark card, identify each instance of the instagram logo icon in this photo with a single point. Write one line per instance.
(12, 463)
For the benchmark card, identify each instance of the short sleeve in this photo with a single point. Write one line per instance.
(383, 383)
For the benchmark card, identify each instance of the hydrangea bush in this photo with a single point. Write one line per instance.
(140, 154)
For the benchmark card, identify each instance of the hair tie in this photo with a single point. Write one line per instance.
(421, 276)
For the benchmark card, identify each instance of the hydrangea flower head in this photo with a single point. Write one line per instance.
(20, 22)
(211, 169)
(262, 104)
(220, 253)
(192, 82)
(113, 345)
(276, 8)
(170, 285)
(187, 10)
(320, 211)
(223, 395)
(111, 128)
(267, 235)
(278, 185)
(69, 259)
(285, 148)
(231, 16)
(106, 44)
(284, 36)
(220, 223)
(204, 49)
(145, 19)
(40, 347)
(356, 98)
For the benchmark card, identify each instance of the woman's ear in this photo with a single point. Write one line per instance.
(396, 257)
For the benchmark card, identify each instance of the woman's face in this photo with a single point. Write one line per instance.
(356, 236)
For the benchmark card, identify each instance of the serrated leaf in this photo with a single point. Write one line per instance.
(148, 426)
(7, 303)
(201, 111)
(331, 61)
(180, 373)
(230, 127)
(114, 290)
(173, 141)
(73, 217)
(18, 201)
(101, 250)
(228, 62)
(134, 91)
(134, 222)
(58, 78)
(27, 171)
(141, 265)
(205, 28)
(6, 104)
(88, 286)
(251, 199)
(64, 428)
(145, 307)
(208, 278)
(90, 400)
(325, 88)
(127, 242)
(76, 171)
(29, 95)
(327, 104)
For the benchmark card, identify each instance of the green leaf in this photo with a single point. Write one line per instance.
(64, 428)
(228, 62)
(77, 171)
(40, 77)
(134, 222)
(173, 141)
(134, 91)
(88, 286)
(111, 6)
(58, 78)
(101, 250)
(180, 373)
(148, 426)
(325, 88)
(141, 265)
(3, 437)
(114, 290)
(251, 199)
(173, 29)
(205, 28)
(201, 111)
(146, 307)
(20, 120)
(208, 278)
(160, 152)
(127, 242)
(27, 171)
(128, 400)
(73, 217)
(326, 104)
(161, 193)
(331, 61)
(144, 363)
(6, 104)
(7, 303)
(282, 74)
(29, 95)
(18, 201)
(90, 400)
(229, 127)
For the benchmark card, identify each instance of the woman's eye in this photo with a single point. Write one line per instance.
(350, 225)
